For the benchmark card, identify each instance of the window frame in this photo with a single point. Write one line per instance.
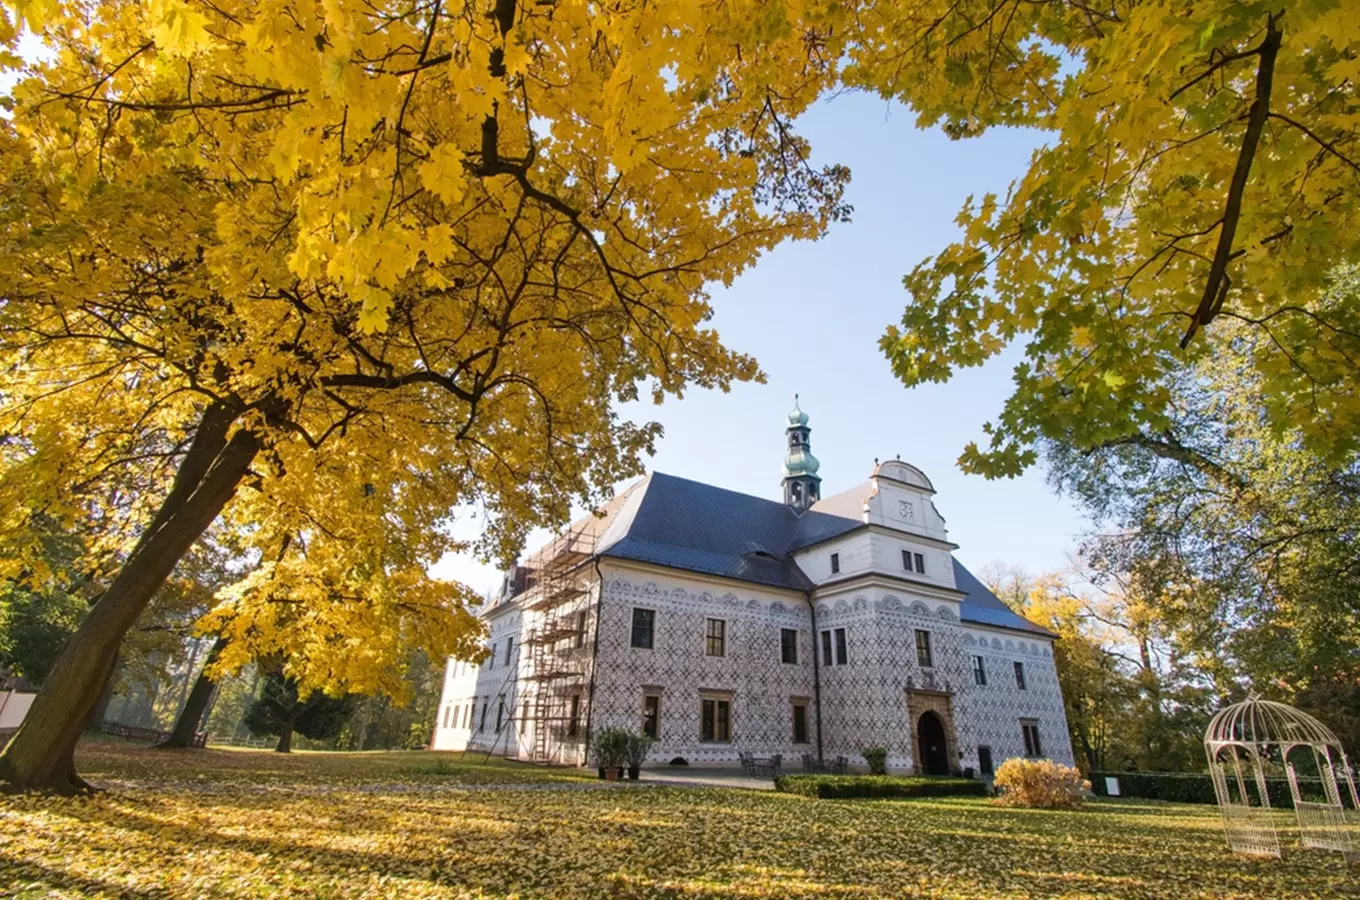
(800, 705)
(827, 658)
(920, 562)
(481, 723)
(712, 640)
(926, 659)
(715, 711)
(509, 649)
(906, 560)
(842, 647)
(651, 714)
(650, 616)
(574, 716)
(1020, 683)
(1029, 733)
(523, 715)
(835, 564)
(985, 750)
(788, 649)
(500, 713)
(471, 714)
(979, 670)
(582, 622)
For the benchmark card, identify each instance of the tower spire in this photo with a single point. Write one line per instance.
(802, 486)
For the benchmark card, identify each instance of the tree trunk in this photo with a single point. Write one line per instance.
(186, 726)
(285, 744)
(101, 707)
(40, 755)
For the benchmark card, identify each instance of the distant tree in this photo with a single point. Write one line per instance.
(1240, 536)
(280, 711)
(1132, 694)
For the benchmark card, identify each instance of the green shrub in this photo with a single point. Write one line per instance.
(847, 787)
(877, 758)
(1195, 787)
(610, 747)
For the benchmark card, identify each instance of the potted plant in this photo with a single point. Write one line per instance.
(610, 748)
(636, 754)
(877, 758)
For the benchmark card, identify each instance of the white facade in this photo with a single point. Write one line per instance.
(858, 669)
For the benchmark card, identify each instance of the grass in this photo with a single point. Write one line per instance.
(257, 824)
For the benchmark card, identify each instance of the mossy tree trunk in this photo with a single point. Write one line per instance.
(41, 754)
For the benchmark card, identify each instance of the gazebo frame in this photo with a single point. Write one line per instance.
(1240, 740)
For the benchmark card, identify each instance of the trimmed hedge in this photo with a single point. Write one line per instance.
(1195, 787)
(848, 787)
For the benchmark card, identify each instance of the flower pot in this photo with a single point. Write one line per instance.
(633, 772)
(611, 774)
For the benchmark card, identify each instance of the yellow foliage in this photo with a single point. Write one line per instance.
(414, 255)
(1039, 784)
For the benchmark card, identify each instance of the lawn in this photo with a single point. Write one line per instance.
(254, 824)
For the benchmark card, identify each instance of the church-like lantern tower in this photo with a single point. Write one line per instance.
(802, 486)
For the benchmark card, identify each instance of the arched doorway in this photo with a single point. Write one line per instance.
(934, 750)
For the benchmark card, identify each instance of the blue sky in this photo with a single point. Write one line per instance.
(812, 313)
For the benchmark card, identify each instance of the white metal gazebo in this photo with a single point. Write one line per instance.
(1245, 739)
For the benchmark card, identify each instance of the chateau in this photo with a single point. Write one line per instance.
(718, 622)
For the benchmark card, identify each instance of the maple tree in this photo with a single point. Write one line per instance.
(331, 272)
(1200, 169)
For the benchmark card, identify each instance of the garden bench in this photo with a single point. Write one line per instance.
(759, 765)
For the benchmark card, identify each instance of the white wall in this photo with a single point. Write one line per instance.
(13, 707)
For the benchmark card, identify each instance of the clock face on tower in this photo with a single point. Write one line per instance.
(906, 511)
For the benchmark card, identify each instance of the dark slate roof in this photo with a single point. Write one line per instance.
(985, 608)
(683, 524)
(700, 528)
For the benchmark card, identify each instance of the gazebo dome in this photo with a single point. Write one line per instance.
(1255, 722)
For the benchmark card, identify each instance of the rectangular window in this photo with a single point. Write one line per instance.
(574, 717)
(979, 671)
(835, 563)
(923, 656)
(481, 723)
(826, 648)
(788, 645)
(448, 710)
(500, 714)
(840, 647)
(1030, 729)
(457, 715)
(920, 563)
(800, 729)
(1020, 675)
(906, 560)
(651, 716)
(644, 624)
(581, 628)
(472, 707)
(716, 725)
(509, 648)
(523, 715)
(715, 638)
(985, 760)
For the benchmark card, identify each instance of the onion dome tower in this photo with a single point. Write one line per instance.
(802, 486)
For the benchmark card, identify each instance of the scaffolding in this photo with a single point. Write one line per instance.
(546, 690)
